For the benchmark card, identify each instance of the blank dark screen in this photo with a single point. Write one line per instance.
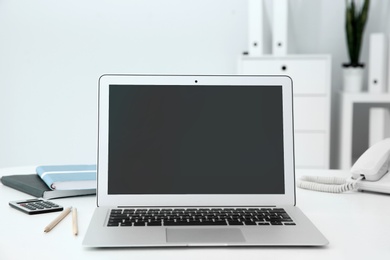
(195, 140)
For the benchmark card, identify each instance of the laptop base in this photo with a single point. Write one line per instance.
(304, 233)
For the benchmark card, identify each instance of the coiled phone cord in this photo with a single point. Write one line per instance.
(327, 184)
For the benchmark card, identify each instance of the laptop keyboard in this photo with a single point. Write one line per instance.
(199, 217)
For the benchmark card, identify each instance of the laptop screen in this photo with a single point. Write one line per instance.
(195, 140)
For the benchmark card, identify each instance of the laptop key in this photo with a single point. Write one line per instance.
(235, 223)
(220, 223)
(169, 223)
(279, 210)
(154, 223)
(113, 221)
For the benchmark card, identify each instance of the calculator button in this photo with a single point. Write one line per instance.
(39, 206)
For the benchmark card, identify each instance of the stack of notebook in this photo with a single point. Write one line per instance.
(55, 181)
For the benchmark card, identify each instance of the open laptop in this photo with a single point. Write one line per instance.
(197, 161)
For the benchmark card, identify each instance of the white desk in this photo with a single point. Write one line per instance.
(356, 224)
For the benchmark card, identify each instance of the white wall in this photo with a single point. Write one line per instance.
(52, 53)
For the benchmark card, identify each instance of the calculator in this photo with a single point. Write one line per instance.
(35, 206)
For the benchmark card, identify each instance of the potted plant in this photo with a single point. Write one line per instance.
(355, 21)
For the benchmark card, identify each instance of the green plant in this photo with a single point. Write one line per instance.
(355, 21)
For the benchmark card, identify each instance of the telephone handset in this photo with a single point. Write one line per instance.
(374, 163)
(368, 173)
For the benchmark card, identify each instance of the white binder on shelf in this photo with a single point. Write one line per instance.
(279, 27)
(379, 125)
(377, 64)
(388, 65)
(255, 27)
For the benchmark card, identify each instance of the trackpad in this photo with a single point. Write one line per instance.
(204, 235)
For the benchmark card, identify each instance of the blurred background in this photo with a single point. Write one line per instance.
(53, 52)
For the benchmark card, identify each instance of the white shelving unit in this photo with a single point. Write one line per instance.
(311, 82)
(348, 102)
(311, 88)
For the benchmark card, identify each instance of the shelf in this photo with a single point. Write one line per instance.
(366, 97)
(348, 102)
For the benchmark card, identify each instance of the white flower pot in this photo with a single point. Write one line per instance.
(353, 79)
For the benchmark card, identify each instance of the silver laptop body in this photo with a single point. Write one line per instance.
(187, 143)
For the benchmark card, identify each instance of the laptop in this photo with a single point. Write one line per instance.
(187, 160)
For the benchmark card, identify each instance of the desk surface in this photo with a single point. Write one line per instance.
(356, 224)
